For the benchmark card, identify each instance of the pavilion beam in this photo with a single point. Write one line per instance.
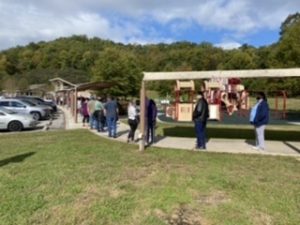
(196, 75)
(142, 116)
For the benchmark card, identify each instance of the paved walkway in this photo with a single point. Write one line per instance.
(214, 145)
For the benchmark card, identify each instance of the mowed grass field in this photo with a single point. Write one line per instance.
(76, 177)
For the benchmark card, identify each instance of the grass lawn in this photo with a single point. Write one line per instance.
(76, 177)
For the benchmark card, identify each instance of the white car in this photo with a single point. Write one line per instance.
(13, 121)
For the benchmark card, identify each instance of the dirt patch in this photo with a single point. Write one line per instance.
(116, 192)
(182, 215)
(89, 194)
(261, 218)
(214, 199)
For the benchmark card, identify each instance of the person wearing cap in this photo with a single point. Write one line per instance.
(200, 116)
(259, 117)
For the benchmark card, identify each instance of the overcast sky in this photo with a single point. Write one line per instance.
(226, 23)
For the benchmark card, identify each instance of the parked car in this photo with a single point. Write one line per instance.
(13, 121)
(26, 107)
(39, 101)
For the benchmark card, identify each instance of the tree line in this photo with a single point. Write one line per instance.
(81, 59)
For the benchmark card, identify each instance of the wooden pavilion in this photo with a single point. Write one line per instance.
(198, 75)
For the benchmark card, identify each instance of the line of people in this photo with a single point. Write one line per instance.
(99, 114)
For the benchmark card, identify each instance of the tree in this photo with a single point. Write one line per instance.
(120, 68)
(240, 60)
(288, 22)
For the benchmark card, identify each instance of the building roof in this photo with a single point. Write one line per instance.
(94, 85)
(196, 75)
(62, 80)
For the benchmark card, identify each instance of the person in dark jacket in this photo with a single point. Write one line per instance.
(200, 116)
(260, 118)
(151, 120)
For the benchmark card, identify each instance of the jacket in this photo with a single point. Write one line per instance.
(262, 114)
(201, 112)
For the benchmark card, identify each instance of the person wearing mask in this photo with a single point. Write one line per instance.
(132, 120)
(200, 116)
(259, 118)
(111, 113)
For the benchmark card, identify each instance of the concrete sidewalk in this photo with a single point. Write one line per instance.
(214, 145)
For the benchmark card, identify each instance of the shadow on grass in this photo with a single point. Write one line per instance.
(232, 133)
(16, 159)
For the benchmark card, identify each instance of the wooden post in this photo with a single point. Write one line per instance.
(75, 106)
(72, 102)
(142, 117)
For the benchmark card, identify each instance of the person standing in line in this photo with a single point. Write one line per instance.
(111, 113)
(99, 114)
(132, 120)
(91, 109)
(259, 117)
(84, 112)
(151, 121)
(200, 116)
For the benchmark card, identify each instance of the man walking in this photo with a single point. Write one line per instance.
(200, 116)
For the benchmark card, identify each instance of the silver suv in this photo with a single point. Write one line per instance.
(37, 112)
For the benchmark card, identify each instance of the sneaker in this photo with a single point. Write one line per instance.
(257, 148)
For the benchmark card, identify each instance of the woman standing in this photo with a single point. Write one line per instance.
(259, 117)
(132, 120)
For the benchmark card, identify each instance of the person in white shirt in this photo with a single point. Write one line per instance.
(132, 120)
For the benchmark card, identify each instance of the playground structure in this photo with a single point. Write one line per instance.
(223, 95)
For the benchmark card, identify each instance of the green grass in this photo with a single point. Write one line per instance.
(75, 177)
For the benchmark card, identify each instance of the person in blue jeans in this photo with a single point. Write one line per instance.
(111, 112)
(200, 116)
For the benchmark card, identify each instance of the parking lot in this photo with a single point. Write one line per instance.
(57, 121)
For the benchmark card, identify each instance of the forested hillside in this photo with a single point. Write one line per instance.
(80, 59)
